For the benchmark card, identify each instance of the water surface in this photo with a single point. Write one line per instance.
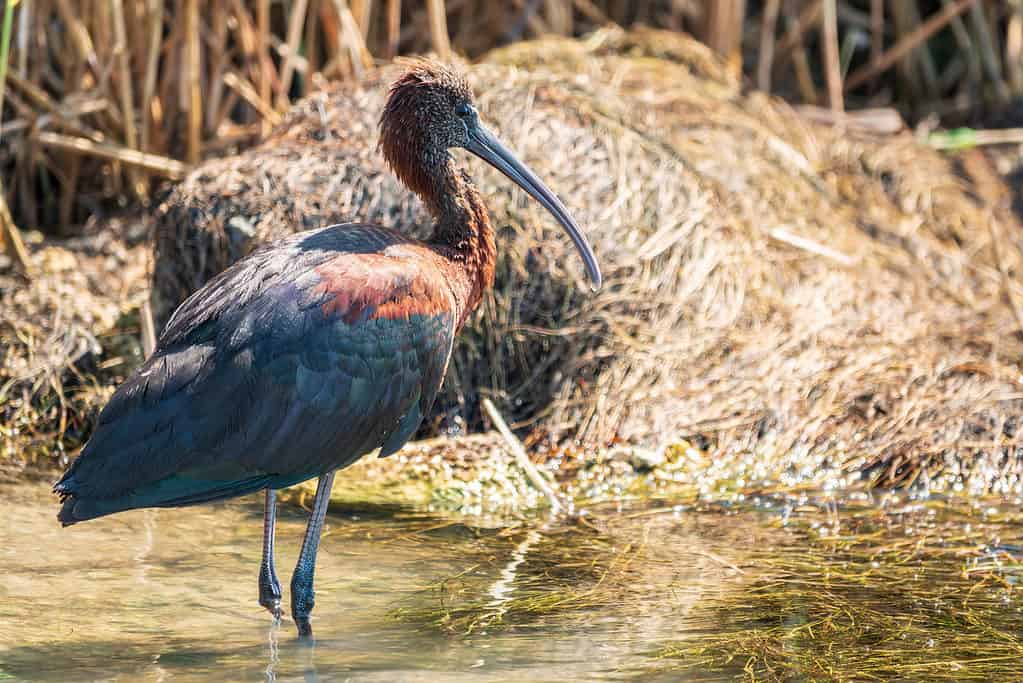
(779, 588)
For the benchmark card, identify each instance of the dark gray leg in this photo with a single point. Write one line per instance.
(302, 594)
(269, 586)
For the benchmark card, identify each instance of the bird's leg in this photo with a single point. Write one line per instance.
(302, 594)
(269, 586)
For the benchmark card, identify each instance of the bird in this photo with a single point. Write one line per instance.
(316, 349)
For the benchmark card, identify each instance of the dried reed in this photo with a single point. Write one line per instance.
(181, 80)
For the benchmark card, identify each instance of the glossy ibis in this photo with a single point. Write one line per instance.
(315, 350)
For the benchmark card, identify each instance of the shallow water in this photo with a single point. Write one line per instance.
(640, 592)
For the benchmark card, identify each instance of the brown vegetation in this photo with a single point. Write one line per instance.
(776, 286)
(801, 293)
(67, 337)
(105, 98)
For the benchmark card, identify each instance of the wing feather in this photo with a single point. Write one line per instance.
(296, 360)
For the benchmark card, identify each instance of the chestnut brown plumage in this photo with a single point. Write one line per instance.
(315, 350)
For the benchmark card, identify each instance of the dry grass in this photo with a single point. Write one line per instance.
(792, 295)
(67, 337)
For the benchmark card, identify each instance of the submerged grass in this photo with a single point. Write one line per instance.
(834, 622)
(568, 571)
(926, 592)
(782, 587)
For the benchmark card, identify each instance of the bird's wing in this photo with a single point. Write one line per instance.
(295, 360)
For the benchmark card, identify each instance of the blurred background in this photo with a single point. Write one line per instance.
(103, 98)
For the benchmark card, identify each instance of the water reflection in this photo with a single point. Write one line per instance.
(271, 668)
(306, 651)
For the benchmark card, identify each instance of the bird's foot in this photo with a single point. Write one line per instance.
(303, 598)
(305, 628)
(273, 606)
(270, 593)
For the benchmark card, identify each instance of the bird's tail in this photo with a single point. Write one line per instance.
(75, 509)
(171, 492)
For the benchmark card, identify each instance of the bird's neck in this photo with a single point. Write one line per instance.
(462, 234)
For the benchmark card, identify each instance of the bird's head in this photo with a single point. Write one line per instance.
(429, 111)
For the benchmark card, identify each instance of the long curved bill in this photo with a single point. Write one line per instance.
(483, 144)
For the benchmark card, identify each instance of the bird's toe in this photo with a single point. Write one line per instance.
(272, 606)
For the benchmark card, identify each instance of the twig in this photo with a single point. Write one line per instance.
(832, 65)
(249, 94)
(126, 91)
(804, 78)
(1014, 48)
(793, 38)
(528, 17)
(362, 11)
(988, 54)
(295, 22)
(11, 238)
(786, 237)
(393, 28)
(521, 458)
(217, 107)
(876, 120)
(5, 46)
(907, 43)
(78, 32)
(154, 11)
(876, 29)
(588, 9)
(439, 28)
(194, 81)
(768, 26)
(968, 137)
(168, 168)
(722, 30)
(358, 53)
(917, 65)
(263, 52)
(559, 16)
(24, 29)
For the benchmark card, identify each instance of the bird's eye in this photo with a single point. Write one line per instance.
(463, 109)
